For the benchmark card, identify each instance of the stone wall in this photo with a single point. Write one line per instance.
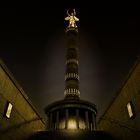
(24, 119)
(116, 119)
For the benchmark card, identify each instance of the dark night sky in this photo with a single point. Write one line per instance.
(32, 45)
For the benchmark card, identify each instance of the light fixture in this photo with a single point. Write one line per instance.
(129, 109)
(9, 109)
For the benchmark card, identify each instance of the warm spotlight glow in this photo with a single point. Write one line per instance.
(72, 124)
(82, 124)
(62, 124)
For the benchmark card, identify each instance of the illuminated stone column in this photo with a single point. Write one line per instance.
(72, 64)
(74, 113)
(77, 118)
(67, 117)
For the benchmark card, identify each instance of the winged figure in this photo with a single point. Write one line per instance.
(72, 18)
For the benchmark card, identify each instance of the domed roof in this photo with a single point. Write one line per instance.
(71, 103)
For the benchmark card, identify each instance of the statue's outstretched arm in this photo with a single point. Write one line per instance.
(74, 12)
(76, 19)
(68, 13)
(67, 18)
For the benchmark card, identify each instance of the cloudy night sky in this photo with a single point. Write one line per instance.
(32, 45)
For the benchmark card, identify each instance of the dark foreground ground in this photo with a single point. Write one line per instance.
(71, 135)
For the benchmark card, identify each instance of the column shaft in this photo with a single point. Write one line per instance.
(57, 120)
(87, 119)
(50, 126)
(94, 121)
(67, 116)
(77, 118)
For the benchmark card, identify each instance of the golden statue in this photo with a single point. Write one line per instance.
(72, 18)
